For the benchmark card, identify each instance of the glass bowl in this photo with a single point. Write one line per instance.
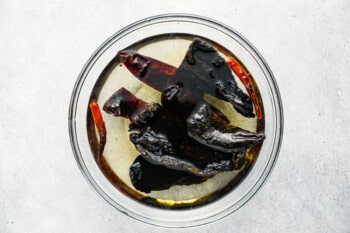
(177, 214)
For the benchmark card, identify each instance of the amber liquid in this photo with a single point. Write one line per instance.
(119, 152)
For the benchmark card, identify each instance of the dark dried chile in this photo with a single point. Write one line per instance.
(146, 176)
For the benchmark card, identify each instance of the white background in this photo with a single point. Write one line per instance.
(43, 47)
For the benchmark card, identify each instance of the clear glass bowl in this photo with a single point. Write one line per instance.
(177, 24)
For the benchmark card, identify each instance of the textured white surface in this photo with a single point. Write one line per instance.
(44, 45)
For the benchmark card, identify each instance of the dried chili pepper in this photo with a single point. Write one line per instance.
(100, 125)
(123, 103)
(247, 82)
(204, 129)
(204, 71)
(147, 177)
(154, 73)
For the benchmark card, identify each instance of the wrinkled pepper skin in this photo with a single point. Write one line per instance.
(203, 128)
(203, 68)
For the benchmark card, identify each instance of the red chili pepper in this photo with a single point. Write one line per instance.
(247, 82)
(100, 125)
(154, 73)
